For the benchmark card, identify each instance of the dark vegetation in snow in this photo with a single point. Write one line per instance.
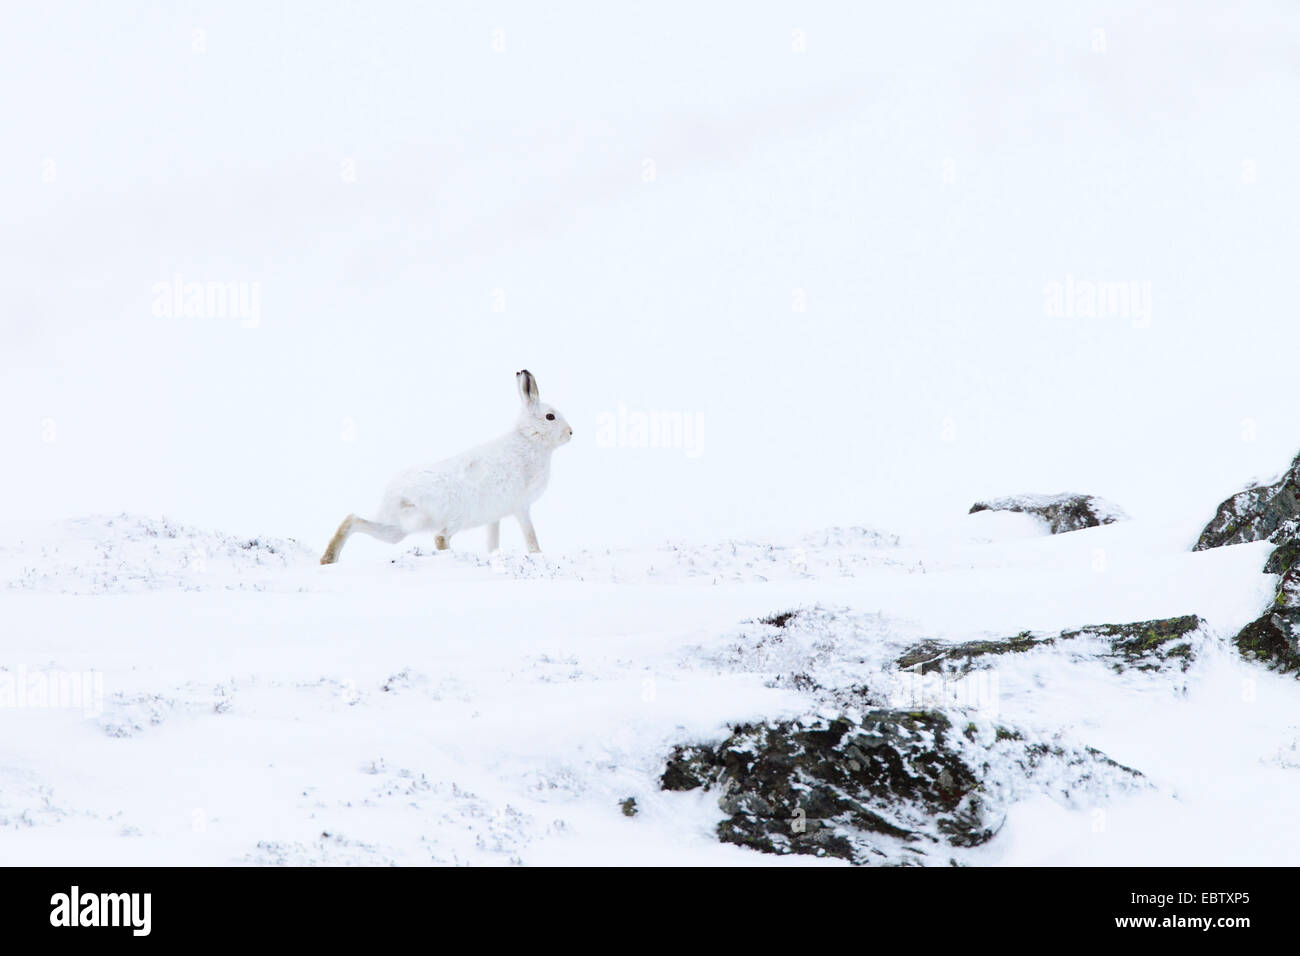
(778, 620)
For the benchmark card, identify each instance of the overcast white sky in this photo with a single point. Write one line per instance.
(826, 230)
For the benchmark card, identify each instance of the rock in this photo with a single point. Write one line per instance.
(1284, 556)
(1273, 638)
(884, 788)
(1288, 589)
(931, 656)
(792, 790)
(1061, 513)
(1145, 645)
(1265, 512)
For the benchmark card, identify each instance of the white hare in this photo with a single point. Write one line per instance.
(478, 487)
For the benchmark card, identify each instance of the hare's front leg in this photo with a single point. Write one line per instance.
(493, 536)
(530, 534)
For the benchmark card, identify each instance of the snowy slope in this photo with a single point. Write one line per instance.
(413, 707)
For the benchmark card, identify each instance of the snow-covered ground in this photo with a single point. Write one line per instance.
(407, 706)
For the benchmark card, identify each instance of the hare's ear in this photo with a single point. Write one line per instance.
(527, 387)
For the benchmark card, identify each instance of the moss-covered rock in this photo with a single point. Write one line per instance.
(1273, 638)
(1288, 589)
(1144, 645)
(930, 657)
(787, 788)
(891, 787)
(1061, 513)
(1265, 512)
(1284, 557)
(1147, 644)
(1272, 513)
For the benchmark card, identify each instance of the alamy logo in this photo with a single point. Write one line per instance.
(52, 689)
(102, 909)
(629, 428)
(179, 299)
(1088, 299)
(913, 690)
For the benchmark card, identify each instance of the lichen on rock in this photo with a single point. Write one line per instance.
(1273, 638)
(931, 656)
(889, 787)
(1147, 645)
(1264, 512)
(1144, 645)
(1267, 513)
(820, 789)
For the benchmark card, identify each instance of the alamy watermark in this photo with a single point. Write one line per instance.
(179, 299)
(913, 690)
(1092, 299)
(52, 689)
(632, 428)
(128, 910)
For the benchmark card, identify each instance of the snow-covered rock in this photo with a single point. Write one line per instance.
(1273, 638)
(906, 758)
(1061, 513)
(1145, 645)
(1265, 512)
(889, 787)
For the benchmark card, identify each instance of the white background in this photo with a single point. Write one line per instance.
(522, 170)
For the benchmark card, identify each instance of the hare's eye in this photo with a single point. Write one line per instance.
(550, 417)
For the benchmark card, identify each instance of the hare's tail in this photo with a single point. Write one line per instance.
(353, 523)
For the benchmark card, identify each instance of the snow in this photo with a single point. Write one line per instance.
(428, 707)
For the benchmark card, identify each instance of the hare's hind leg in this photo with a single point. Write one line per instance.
(353, 523)
(530, 533)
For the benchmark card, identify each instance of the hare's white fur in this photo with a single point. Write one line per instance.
(478, 487)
